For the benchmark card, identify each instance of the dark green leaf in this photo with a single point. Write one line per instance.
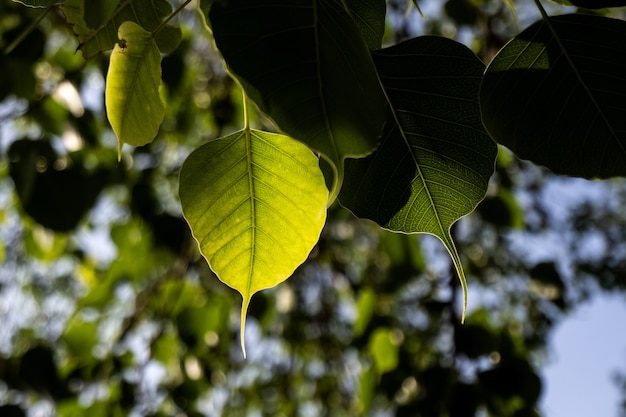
(146, 13)
(435, 160)
(306, 65)
(99, 12)
(369, 15)
(55, 198)
(556, 95)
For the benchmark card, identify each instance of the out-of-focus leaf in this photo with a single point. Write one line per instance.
(435, 160)
(54, 194)
(383, 347)
(256, 204)
(365, 310)
(80, 338)
(134, 103)
(556, 95)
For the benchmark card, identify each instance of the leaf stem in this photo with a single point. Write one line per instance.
(26, 32)
(246, 115)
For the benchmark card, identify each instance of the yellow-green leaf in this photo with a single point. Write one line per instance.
(134, 104)
(256, 204)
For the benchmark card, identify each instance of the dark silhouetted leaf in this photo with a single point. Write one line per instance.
(306, 65)
(556, 95)
(55, 198)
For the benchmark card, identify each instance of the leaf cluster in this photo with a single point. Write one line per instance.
(401, 133)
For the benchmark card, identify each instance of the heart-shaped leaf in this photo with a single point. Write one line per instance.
(306, 65)
(133, 100)
(146, 13)
(556, 95)
(435, 159)
(256, 204)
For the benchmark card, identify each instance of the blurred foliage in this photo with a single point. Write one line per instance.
(108, 309)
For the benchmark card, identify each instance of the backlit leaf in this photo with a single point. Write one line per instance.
(306, 65)
(556, 95)
(435, 159)
(256, 204)
(134, 104)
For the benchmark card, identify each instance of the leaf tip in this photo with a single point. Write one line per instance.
(244, 312)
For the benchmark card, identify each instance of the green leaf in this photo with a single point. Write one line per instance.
(306, 65)
(99, 12)
(383, 346)
(369, 16)
(435, 159)
(256, 204)
(146, 13)
(134, 104)
(556, 95)
(39, 3)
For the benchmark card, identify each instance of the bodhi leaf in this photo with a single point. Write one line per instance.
(435, 159)
(99, 12)
(556, 95)
(146, 13)
(256, 204)
(133, 100)
(369, 15)
(306, 65)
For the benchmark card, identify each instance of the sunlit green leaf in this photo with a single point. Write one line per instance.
(556, 95)
(134, 104)
(306, 65)
(435, 159)
(256, 204)
(146, 13)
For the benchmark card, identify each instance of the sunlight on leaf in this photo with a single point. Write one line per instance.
(256, 204)
(556, 95)
(435, 160)
(134, 104)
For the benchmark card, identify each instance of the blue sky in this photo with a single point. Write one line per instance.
(587, 348)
